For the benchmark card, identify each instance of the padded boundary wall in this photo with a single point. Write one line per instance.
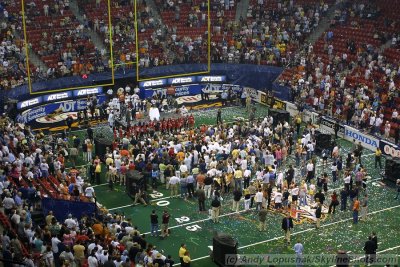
(254, 76)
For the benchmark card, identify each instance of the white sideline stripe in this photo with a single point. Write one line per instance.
(307, 230)
(99, 185)
(121, 207)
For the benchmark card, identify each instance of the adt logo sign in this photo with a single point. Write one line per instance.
(59, 96)
(181, 80)
(89, 91)
(212, 79)
(29, 103)
(153, 83)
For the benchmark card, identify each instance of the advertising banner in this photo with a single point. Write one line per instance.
(182, 80)
(355, 136)
(153, 83)
(194, 89)
(291, 108)
(310, 116)
(253, 94)
(208, 79)
(57, 96)
(271, 102)
(327, 125)
(389, 149)
(88, 91)
(29, 103)
(58, 107)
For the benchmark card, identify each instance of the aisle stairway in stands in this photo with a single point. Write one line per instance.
(241, 9)
(95, 38)
(324, 23)
(154, 11)
(35, 60)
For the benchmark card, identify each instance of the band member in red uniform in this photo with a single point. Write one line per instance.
(191, 121)
(151, 125)
(121, 132)
(157, 127)
(132, 130)
(115, 134)
(137, 130)
(170, 125)
(164, 125)
(143, 129)
(181, 123)
(175, 124)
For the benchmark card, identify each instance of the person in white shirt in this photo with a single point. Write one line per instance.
(259, 199)
(54, 244)
(92, 260)
(173, 184)
(70, 222)
(89, 192)
(295, 194)
(183, 169)
(387, 130)
(395, 114)
(377, 126)
(310, 171)
(347, 181)
(278, 200)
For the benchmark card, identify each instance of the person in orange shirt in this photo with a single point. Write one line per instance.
(124, 153)
(356, 209)
(180, 156)
(98, 229)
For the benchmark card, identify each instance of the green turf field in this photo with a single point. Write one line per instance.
(196, 229)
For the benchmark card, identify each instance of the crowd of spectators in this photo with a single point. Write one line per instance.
(348, 75)
(12, 49)
(271, 33)
(248, 160)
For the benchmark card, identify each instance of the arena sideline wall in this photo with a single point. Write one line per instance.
(254, 76)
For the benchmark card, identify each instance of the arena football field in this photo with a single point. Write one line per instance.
(196, 229)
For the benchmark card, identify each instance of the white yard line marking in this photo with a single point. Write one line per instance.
(203, 220)
(99, 185)
(164, 198)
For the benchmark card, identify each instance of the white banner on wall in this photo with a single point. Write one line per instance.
(327, 125)
(291, 108)
(310, 116)
(355, 136)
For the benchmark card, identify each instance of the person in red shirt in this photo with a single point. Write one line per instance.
(123, 171)
(115, 134)
(121, 132)
(115, 144)
(143, 129)
(181, 123)
(191, 121)
(171, 152)
(334, 203)
(137, 130)
(131, 166)
(170, 125)
(175, 124)
(164, 125)
(203, 128)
